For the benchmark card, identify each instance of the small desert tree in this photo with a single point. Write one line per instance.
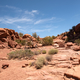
(21, 34)
(34, 35)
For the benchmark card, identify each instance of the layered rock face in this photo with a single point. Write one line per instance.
(7, 38)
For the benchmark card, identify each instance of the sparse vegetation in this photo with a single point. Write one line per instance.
(18, 54)
(37, 52)
(22, 42)
(77, 41)
(43, 51)
(29, 43)
(21, 34)
(53, 51)
(34, 35)
(47, 41)
(40, 62)
(49, 57)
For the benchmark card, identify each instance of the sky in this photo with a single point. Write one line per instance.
(45, 17)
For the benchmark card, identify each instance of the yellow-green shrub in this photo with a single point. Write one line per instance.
(40, 62)
(20, 54)
(43, 51)
(53, 51)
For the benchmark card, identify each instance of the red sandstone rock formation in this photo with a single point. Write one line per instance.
(7, 38)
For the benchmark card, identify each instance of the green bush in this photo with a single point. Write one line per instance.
(26, 54)
(22, 42)
(53, 51)
(21, 34)
(53, 37)
(34, 35)
(43, 51)
(49, 57)
(40, 62)
(77, 41)
(47, 41)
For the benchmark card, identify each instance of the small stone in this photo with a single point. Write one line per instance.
(4, 66)
(23, 66)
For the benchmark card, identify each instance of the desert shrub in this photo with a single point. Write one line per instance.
(77, 41)
(29, 43)
(49, 57)
(27, 54)
(53, 37)
(40, 62)
(22, 42)
(43, 51)
(47, 41)
(53, 51)
(21, 34)
(34, 35)
(37, 52)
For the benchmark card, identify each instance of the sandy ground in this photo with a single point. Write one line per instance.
(16, 72)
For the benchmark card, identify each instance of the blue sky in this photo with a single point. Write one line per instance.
(45, 17)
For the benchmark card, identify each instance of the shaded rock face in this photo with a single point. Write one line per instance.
(77, 28)
(7, 38)
(74, 33)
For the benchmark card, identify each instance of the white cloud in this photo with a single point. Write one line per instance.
(38, 30)
(19, 27)
(13, 20)
(32, 12)
(12, 7)
(44, 20)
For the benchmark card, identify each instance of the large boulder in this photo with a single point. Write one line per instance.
(75, 48)
(3, 33)
(12, 44)
(39, 45)
(68, 45)
(56, 45)
(59, 42)
(26, 35)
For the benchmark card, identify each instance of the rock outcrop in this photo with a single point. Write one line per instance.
(29, 38)
(7, 38)
(59, 42)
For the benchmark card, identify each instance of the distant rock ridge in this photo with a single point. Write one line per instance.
(8, 37)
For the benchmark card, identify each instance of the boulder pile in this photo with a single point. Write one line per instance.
(7, 38)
